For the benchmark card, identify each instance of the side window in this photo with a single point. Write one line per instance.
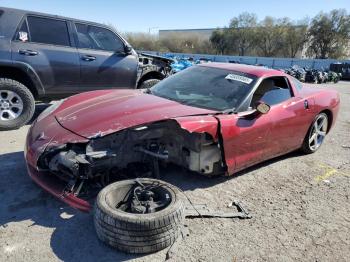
(272, 91)
(48, 31)
(94, 37)
(22, 34)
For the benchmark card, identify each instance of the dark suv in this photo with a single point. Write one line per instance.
(45, 57)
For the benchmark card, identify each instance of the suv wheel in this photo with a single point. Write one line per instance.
(17, 104)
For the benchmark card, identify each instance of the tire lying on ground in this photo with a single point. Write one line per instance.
(17, 104)
(122, 222)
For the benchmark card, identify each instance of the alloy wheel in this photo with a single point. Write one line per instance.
(11, 105)
(318, 132)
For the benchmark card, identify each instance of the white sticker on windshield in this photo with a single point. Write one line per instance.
(239, 78)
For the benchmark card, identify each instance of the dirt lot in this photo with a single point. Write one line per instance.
(300, 206)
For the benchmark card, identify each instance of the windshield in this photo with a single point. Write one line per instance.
(206, 87)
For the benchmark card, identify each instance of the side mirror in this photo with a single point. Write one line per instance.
(263, 108)
(128, 49)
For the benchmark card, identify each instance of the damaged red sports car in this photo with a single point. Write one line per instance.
(214, 119)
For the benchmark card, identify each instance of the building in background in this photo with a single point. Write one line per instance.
(203, 33)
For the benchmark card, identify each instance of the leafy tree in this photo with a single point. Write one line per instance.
(294, 36)
(268, 37)
(219, 41)
(242, 31)
(329, 34)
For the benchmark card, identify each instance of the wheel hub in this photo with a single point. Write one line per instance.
(318, 132)
(5, 104)
(11, 105)
(145, 199)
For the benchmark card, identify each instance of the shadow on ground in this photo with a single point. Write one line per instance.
(73, 231)
(191, 181)
(73, 237)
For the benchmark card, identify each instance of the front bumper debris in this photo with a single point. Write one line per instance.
(57, 188)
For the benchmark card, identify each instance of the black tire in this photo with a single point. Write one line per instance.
(306, 148)
(28, 104)
(137, 233)
(149, 83)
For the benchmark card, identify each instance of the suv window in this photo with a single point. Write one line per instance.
(272, 91)
(94, 37)
(22, 34)
(48, 31)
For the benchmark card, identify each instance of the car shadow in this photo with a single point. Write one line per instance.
(74, 237)
(186, 180)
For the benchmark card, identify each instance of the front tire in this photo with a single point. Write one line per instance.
(17, 104)
(316, 134)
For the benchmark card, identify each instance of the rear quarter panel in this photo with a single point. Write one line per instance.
(323, 100)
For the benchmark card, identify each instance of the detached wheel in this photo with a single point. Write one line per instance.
(139, 215)
(17, 104)
(316, 134)
(149, 83)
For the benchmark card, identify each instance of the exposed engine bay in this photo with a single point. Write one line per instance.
(133, 152)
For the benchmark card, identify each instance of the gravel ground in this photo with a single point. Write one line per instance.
(300, 206)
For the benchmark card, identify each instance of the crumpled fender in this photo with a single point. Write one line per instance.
(200, 124)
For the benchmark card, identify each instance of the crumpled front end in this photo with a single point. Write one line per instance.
(85, 166)
(42, 136)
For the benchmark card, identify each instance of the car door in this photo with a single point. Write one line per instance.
(250, 138)
(104, 62)
(46, 44)
(290, 116)
(246, 139)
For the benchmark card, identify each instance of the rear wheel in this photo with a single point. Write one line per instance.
(316, 134)
(17, 104)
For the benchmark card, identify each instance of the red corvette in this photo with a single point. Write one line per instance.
(212, 119)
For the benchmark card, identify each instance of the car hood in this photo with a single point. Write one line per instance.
(100, 113)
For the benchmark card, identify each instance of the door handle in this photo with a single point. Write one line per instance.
(88, 58)
(27, 52)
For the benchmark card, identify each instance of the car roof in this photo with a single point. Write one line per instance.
(25, 12)
(258, 71)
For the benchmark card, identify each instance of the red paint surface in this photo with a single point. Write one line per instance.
(200, 124)
(55, 187)
(108, 111)
(258, 71)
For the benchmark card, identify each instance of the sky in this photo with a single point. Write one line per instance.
(152, 15)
